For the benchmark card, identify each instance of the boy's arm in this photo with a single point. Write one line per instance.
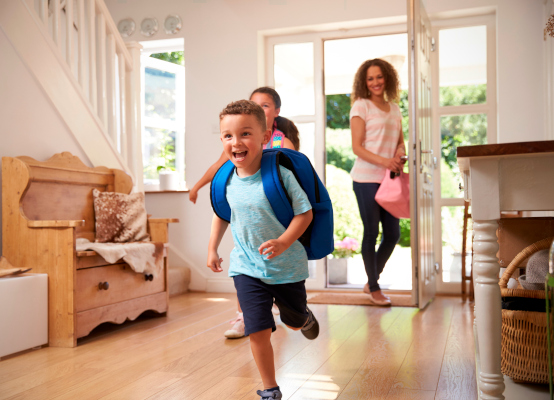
(297, 227)
(218, 230)
(207, 177)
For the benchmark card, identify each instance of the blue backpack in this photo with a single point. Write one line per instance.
(318, 238)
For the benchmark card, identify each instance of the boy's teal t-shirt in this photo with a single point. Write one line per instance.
(253, 222)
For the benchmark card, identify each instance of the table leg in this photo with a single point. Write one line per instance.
(488, 309)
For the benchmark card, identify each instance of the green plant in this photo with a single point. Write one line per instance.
(175, 57)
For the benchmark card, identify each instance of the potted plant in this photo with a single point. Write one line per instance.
(169, 178)
(337, 266)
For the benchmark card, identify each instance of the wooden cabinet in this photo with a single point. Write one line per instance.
(46, 206)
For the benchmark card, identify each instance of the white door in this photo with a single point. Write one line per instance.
(421, 154)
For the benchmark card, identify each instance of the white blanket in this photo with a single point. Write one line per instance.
(142, 257)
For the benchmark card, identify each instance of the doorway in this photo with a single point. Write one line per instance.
(342, 57)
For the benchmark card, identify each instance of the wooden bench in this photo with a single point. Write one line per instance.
(46, 206)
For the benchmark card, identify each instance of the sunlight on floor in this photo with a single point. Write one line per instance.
(217, 299)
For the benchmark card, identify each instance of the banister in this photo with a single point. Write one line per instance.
(112, 28)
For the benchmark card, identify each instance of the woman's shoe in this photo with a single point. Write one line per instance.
(379, 302)
(366, 288)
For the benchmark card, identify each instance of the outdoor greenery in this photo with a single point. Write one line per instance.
(456, 130)
(161, 144)
(176, 57)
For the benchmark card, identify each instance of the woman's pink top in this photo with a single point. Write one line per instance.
(277, 140)
(382, 130)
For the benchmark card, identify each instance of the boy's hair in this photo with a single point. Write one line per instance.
(285, 125)
(360, 90)
(245, 107)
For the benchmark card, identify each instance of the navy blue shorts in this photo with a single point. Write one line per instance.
(256, 300)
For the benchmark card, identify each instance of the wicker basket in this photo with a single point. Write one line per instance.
(524, 341)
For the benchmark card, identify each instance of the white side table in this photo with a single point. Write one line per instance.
(499, 177)
(24, 312)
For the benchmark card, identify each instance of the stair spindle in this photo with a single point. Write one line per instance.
(122, 106)
(43, 11)
(81, 42)
(91, 18)
(69, 33)
(111, 88)
(101, 68)
(55, 4)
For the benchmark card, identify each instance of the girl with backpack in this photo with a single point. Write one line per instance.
(378, 143)
(284, 135)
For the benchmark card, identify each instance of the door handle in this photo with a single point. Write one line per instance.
(426, 151)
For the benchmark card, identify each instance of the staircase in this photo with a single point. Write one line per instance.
(92, 77)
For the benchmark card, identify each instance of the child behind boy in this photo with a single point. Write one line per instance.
(267, 261)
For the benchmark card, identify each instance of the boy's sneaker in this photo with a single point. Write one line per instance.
(270, 394)
(311, 329)
(237, 331)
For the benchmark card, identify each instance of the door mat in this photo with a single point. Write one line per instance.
(358, 299)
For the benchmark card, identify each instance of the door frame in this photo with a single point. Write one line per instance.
(266, 42)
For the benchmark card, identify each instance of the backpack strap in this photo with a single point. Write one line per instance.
(274, 188)
(218, 190)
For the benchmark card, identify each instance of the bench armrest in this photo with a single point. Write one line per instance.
(55, 224)
(163, 220)
(157, 228)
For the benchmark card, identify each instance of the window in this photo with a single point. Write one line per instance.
(466, 116)
(163, 111)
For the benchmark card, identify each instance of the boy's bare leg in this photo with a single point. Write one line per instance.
(260, 343)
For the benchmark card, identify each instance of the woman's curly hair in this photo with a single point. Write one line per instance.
(392, 83)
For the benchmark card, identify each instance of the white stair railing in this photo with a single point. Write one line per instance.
(106, 68)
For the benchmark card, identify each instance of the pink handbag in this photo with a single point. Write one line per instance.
(394, 194)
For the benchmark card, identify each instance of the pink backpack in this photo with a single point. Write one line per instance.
(394, 195)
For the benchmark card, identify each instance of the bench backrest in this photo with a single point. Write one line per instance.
(60, 188)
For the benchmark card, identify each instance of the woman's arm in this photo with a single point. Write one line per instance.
(207, 178)
(357, 127)
(400, 146)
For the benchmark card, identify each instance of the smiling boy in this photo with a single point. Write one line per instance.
(267, 261)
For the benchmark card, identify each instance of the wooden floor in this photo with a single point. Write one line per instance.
(361, 353)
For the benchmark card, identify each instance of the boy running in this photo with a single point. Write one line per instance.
(267, 261)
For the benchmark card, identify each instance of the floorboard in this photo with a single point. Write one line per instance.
(362, 352)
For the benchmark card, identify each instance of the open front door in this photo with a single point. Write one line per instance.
(421, 154)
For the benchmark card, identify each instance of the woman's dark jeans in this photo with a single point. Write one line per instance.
(372, 213)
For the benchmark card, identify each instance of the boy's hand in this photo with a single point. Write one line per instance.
(214, 262)
(273, 246)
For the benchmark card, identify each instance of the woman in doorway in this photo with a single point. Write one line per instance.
(378, 143)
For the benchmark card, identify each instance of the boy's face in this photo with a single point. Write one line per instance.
(243, 140)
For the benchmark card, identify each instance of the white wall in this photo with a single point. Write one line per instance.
(30, 124)
(221, 59)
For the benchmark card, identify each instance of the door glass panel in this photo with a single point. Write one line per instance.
(294, 78)
(159, 94)
(452, 229)
(307, 140)
(463, 65)
(458, 130)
